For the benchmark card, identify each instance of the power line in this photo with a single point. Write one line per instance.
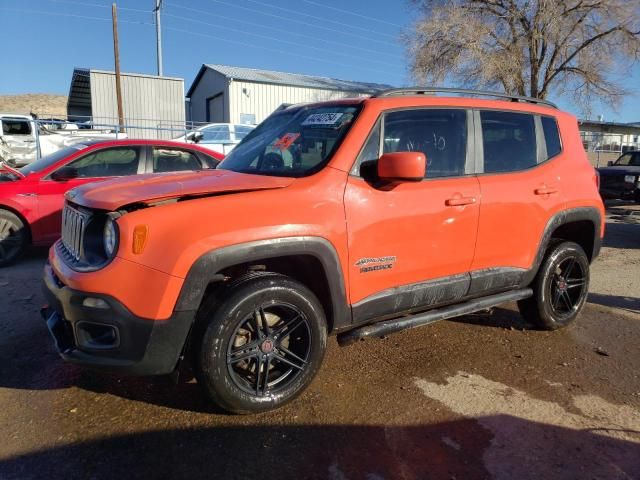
(301, 22)
(85, 17)
(366, 17)
(279, 30)
(274, 39)
(315, 17)
(88, 4)
(285, 52)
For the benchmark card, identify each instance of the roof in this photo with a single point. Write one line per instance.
(80, 88)
(615, 125)
(290, 79)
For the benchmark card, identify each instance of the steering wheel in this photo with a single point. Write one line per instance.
(272, 161)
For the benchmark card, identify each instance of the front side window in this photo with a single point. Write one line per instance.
(294, 142)
(218, 133)
(112, 162)
(509, 141)
(174, 160)
(629, 160)
(15, 127)
(438, 133)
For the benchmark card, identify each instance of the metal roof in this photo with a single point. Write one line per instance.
(290, 79)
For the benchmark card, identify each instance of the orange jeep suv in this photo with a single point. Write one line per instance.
(358, 217)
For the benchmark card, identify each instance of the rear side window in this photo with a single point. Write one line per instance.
(174, 160)
(509, 141)
(551, 136)
(440, 134)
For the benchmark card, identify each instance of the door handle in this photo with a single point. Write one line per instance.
(545, 190)
(460, 201)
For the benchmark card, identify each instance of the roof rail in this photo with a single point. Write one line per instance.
(459, 91)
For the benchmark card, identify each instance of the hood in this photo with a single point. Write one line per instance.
(113, 194)
(619, 170)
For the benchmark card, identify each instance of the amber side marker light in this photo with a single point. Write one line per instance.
(140, 235)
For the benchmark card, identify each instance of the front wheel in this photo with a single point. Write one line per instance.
(13, 237)
(560, 288)
(262, 345)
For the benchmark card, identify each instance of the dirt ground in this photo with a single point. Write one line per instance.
(483, 396)
(43, 104)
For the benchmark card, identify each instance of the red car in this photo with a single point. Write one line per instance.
(31, 198)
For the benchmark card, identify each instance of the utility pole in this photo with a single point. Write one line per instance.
(116, 54)
(158, 36)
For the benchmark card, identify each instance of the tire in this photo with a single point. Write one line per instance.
(560, 288)
(267, 320)
(13, 237)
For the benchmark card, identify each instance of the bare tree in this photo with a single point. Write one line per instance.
(528, 47)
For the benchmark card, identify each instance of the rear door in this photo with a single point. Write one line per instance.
(521, 188)
(93, 166)
(411, 244)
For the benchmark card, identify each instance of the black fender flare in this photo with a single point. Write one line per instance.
(205, 270)
(564, 217)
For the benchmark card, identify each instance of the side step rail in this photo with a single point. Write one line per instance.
(392, 326)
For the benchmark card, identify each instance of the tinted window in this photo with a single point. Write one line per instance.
(174, 160)
(509, 141)
(15, 127)
(629, 160)
(440, 134)
(551, 136)
(112, 162)
(219, 133)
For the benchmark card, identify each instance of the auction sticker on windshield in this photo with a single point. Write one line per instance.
(322, 119)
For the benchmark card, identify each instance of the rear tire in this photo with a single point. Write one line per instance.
(560, 288)
(13, 237)
(262, 345)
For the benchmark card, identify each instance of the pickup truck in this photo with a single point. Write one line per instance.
(23, 139)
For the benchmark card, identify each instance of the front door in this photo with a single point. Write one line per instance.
(411, 244)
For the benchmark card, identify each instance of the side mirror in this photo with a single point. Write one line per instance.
(402, 167)
(609, 163)
(194, 137)
(65, 173)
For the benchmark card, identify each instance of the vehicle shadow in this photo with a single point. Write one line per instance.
(630, 304)
(497, 318)
(622, 235)
(456, 449)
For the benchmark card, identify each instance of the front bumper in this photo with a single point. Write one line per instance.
(111, 337)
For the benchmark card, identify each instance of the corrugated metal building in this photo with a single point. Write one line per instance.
(149, 102)
(221, 93)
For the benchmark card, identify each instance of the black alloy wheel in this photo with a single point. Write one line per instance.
(259, 342)
(269, 348)
(560, 288)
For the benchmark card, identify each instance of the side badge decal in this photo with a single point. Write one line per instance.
(370, 264)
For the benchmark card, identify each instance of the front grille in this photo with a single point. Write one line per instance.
(73, 228)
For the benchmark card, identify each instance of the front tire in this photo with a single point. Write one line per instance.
(13, 237)
(262, 345)
(560, 288)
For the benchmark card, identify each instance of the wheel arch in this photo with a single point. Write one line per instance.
(580, 225)
(311, 260)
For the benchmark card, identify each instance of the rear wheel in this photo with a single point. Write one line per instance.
(13, 237)
(560, 289)
(262, 345)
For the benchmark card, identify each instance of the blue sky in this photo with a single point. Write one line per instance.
(354, 40)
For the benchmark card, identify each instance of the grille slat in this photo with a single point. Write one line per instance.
(73, 223)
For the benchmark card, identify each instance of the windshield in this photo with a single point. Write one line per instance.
(629, 160)
(49, 160)
(292, 143)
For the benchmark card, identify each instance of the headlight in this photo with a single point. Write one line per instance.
(110, 237)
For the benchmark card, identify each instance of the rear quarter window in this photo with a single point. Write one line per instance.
(551, 136)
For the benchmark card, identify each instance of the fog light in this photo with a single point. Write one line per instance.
(92, 302)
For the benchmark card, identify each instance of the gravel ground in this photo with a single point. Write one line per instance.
(483, 396)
